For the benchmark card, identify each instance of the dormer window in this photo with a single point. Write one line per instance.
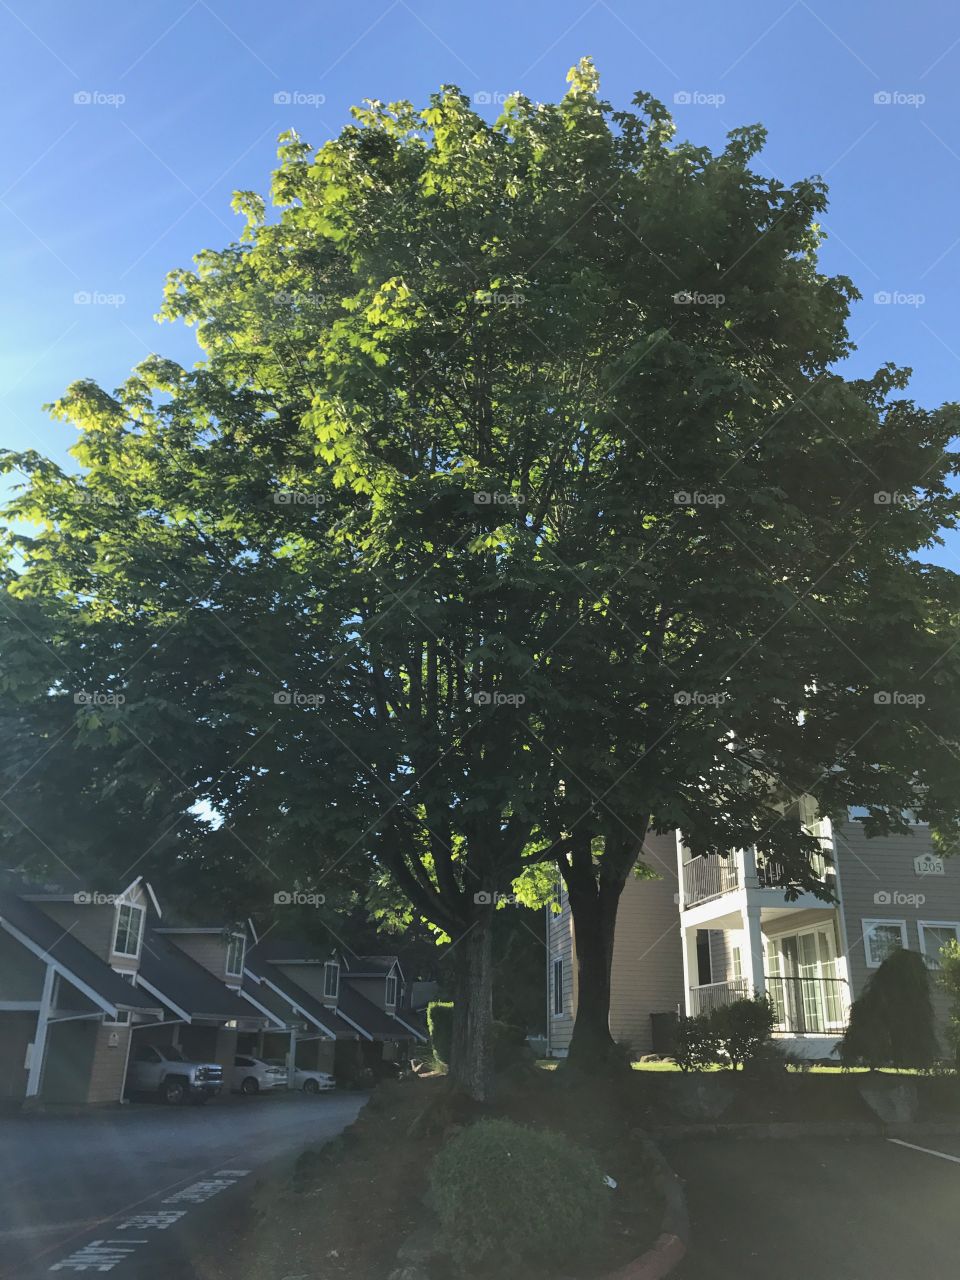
(392, 989)
(331, 980)
(126, 941)
(235, 949)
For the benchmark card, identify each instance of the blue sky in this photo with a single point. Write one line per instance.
(102, 193)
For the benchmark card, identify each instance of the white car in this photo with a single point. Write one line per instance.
(253, 1075)
(313, 1081)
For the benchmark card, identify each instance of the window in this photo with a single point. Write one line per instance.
(392, 989)
(331, 980)
(934, 936)
(129, 926)
(736, 964)
(558, 1009)
(235, 950)
(880, 937)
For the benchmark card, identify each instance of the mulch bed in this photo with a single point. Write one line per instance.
(347, 1207)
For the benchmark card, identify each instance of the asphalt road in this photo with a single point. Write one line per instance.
(67, 1180)
(861, 1209)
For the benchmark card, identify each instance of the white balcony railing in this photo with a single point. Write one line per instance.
(712, 875)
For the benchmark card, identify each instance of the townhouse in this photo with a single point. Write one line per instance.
(709, 930)
(88, 980)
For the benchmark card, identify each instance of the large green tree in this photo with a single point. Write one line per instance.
(514, 509)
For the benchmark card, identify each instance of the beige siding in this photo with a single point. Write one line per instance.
(21, 972)
(560, 932)
(876, 876)
(647, 972)
(109, 1065)
(17, 1031)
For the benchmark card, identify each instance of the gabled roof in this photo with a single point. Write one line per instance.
(379, 1025)
(257, 969)
(186, 987)
(371, 966)
(47, 940)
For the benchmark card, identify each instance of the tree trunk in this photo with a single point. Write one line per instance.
(593, 905)
(471, 1052)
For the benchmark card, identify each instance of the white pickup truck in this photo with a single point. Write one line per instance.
(164, 1070)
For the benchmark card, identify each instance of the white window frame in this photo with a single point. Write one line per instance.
(235, 938)
(867, 925)
(933, 962)
(121, 907)
(331, 966)
(556, 989)
(391, 978)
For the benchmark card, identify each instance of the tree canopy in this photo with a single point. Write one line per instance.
(516, 507)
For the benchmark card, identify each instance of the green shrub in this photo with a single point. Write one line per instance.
(514, 1200)
(744, 1029)
(440, 1026)
(950, 982)
(696, 1044)
(891, 1024)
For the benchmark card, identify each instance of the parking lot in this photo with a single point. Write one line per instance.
(69, 1179)
(833, 1209)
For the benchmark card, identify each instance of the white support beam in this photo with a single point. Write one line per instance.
(38, 1050)
(752, 956)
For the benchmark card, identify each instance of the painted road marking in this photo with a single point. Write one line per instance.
(98, 1255)
(927, 1151)
(104, 1255)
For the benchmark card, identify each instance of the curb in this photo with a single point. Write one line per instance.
(810, 1129)
(673, 1243)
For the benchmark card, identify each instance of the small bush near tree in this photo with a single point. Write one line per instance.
(744, 1029)
(891, 1024)
(950, 982)
(512, 1200)
(696, 1045)
(440, 1026)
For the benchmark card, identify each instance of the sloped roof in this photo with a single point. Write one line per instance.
(257, 967)
(358, 1009)
(187, 986)
(76, 963)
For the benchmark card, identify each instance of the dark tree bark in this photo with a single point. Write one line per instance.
(594, 893)
(470, 1056)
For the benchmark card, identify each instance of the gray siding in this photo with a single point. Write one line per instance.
(877, 878)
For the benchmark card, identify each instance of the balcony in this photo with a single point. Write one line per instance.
(712, 876)
(801, 1006)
